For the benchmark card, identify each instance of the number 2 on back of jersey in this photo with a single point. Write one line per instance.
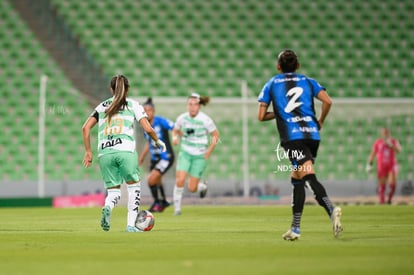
(295, 93)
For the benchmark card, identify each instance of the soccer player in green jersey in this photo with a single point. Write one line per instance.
(118, 159)
(199, 136)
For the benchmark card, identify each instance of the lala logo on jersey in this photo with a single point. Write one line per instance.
(111, 143)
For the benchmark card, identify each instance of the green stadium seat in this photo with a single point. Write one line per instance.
(210, 47)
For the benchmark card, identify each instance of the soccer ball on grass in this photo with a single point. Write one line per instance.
(145, 220)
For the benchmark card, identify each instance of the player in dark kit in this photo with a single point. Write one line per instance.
(161, 162)
(292, 95)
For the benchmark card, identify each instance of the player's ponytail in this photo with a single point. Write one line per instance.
(149, 102)
(119, 86)
(203, 100)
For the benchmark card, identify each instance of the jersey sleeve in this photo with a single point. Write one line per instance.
(100, 108)
(209, 124)
(264, 95)
(95, 114)
(316, 87)
(167, 124)
(138, 110)
(178, 122)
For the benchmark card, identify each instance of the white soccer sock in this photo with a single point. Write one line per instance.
(177, 197)
(134, 201)
(113, 198)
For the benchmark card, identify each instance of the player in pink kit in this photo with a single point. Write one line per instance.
(384, 150)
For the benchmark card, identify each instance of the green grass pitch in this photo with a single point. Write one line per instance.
(207, 240)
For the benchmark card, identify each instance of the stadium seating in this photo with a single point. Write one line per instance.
(219, 42)
(168, 48)
(23, 62)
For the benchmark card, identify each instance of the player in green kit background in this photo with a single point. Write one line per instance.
(118, 159)
(199, 136)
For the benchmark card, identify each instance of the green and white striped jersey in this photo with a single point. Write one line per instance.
(195, 131)
(119, 134)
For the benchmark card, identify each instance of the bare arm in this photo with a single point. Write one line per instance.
(263, 114)
(371, 156)
(86, 132)
(176, 134)
(146, 125)
(148, 129)
(325, 108)
(215, 137)
(143, 153)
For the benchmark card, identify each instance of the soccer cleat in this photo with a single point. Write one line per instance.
(156, 207)
(292, 234)
(336, 221)
(164, 204)
(202, 186)
(106, 218)
(132, 229)
(177, 213)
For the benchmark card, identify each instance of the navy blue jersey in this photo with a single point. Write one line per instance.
(161, 126)
(292, 97)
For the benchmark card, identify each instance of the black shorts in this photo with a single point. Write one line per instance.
(301, 150)
(162, 165)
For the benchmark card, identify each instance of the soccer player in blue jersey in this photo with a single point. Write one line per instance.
(291, 95)
(160, 161)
